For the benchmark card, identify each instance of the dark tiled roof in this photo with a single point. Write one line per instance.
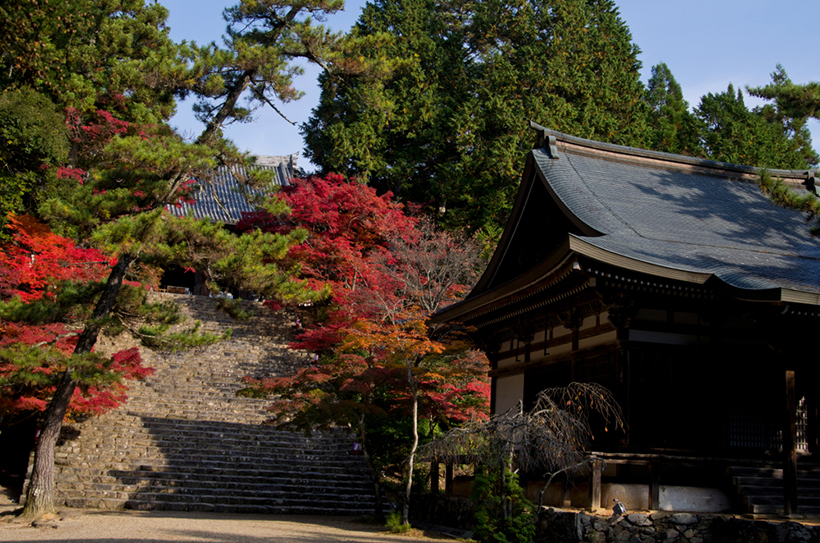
(682, 215)
(224, 199)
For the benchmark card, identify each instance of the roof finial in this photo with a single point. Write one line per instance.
(545, 140)
(811, 182)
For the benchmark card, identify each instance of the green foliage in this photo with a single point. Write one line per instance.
(71, 302)
(30, 374)
(502, 512)
(732, 133)
(395, 525)
(265, 43)
(87, 53)
(447, 128)
(157, 337)
(673, 127)
(251, 261)
(234, 309)
(795, 101)
(783, 195)
(34, 142)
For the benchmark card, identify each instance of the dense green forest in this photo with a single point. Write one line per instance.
(448, 127)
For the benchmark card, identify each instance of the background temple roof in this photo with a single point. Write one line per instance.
(224, 199)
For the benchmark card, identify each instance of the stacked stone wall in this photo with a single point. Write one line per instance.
(563, 526)
(556, 526)
(185, 441)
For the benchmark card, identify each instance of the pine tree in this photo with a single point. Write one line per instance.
(792, 100)
(732, 133)
(110, 71)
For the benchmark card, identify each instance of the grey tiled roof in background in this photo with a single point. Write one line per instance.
(680, 218)
(225, 200)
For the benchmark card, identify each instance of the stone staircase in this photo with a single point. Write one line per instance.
(761, 489)
(185, 441)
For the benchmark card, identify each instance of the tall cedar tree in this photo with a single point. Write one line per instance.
(109, 68)
(379, 359)
(674, 128)
(448, 128)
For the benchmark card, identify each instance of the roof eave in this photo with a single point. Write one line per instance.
(574, 246)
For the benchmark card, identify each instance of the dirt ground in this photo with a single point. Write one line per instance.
(91, 526)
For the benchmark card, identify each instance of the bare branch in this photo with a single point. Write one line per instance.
(552, 437)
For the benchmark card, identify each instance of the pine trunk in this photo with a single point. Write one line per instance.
(40, 492)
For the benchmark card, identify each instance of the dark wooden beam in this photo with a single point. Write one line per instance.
(521, 367)
(516, 350)
(434, 477)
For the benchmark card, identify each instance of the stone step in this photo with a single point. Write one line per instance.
(192, 463)
(217, 430)
(769, 499)
(186, 442)
(203, 441)
(294, 491)
(303, 501)
(130, 481)
(160, 445)
(770, 509)
(324, 508)
(761, 488)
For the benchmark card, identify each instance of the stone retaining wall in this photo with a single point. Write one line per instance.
(561, 526)
(557, 526)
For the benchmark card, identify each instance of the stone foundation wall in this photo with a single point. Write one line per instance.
(560, 526)
(557, 526)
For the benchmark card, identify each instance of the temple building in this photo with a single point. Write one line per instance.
(677, 284)
(224, 197)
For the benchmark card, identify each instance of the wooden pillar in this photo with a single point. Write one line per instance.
(595, 484)
(448, 478)
(655, 487)
(434, 477)
(790, 448)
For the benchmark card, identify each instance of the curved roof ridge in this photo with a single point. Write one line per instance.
(658, 158)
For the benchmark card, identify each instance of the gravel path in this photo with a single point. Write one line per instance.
(159, 526)
(91, 526)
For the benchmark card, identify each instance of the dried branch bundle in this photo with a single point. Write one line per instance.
(552, 437)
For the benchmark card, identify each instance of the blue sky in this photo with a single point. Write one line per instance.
(706, 43)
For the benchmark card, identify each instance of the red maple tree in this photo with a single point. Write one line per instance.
(37, 269)
(349, 229)
(380, 358)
